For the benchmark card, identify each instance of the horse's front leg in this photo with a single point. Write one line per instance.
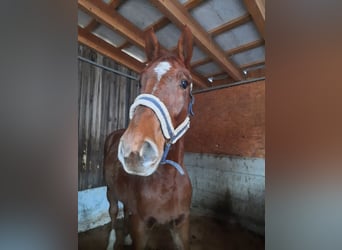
(113, 212)
(181, 234)
(116, 235)
(139, 232)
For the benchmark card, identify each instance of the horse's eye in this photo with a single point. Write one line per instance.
(184, 84)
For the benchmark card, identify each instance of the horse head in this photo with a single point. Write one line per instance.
(160, 114)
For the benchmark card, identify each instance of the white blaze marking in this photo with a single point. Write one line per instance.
(111, 240)
(161, 69)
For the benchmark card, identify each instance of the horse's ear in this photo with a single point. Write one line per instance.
(152, 46)
(185, 44)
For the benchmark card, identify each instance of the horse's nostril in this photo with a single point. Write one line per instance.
(149, 152)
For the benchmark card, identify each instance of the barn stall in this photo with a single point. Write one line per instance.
(225, 144)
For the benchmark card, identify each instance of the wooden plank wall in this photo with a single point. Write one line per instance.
(104, 101)
(229, 121)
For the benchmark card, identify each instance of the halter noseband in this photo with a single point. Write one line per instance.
(169, 132)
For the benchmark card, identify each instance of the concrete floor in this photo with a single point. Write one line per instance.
(206, 234)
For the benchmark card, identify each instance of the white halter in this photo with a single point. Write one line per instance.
(164, 118)
(163, 115)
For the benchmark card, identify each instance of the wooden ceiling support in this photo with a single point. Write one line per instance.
(162, 22)
(199, 80)
(165, 21)
(256, 73)
(113, 20)
(94, 23)
(242, 48)
(92, 41)
(242, 67)
(230, 25)
(252, 64)
(257, 10)
(176, 13)
(108, 50)
(220, 74)
(222, 81)
(245, 47)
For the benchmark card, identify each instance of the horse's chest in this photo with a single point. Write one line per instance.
(164, 202)
(159, 196)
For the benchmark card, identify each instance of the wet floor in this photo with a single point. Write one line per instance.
(206, 234)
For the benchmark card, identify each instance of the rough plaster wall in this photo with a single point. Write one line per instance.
(228, 187)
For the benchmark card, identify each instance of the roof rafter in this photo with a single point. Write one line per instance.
(256, 73)
(106, 49)
(230, 25)
(216, 74)
(92, 41)
(257, 10)
(245, 47)
(231, 52)
(222, 81)
(117, 22)
(242, 67)
(176, 13)
(94, 23)
(252, 64)
(162, 22)
(113, 20)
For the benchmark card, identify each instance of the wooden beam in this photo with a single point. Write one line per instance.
(108, 50)
(117, 22)
(125, 45)
(201, 62)
(252, 64)
(114, 21)
(245, 47)
(231, 52)
(94, 23)
(165, 21)
(190, 4)
(176, 13)
(230, 25)
(162, 22)
(217, 74)
(256, 73)
(114, 4)
(222, 81)
(242, 67)
(199, 80)
(257, 10)
(117, 55)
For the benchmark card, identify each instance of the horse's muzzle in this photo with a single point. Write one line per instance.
(141, 159)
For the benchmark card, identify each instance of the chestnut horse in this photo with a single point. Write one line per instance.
(144, 168)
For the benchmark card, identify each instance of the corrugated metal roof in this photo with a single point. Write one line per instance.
(231, 30)
(140, 13)
(212, 13)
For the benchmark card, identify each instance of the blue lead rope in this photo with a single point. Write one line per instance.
(172, 163)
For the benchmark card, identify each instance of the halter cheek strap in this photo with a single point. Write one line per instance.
(169, 132)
